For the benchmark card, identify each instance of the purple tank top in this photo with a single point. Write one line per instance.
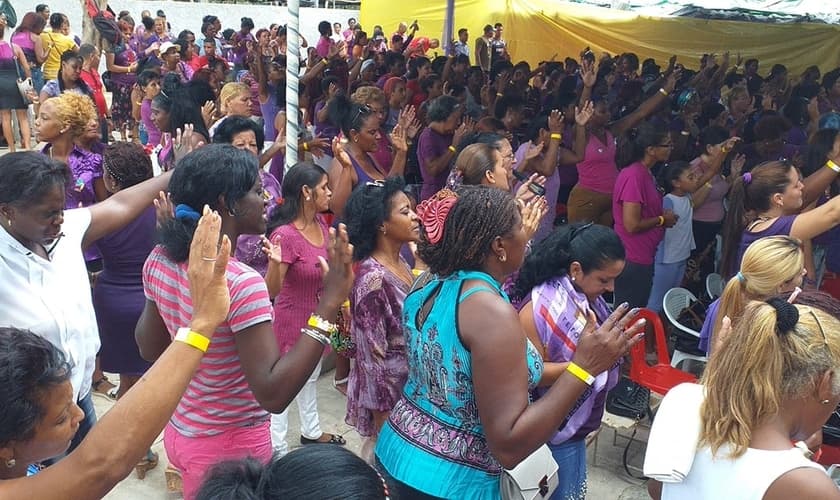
(269, 110)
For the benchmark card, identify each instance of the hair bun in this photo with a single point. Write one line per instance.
(787, 315)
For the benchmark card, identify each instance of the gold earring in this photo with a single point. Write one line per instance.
(824, 401)
(503, 257)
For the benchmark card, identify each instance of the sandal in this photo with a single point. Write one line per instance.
(334, 439)
(147, 464)
(341, 385)
(174, 483)
(108, 392)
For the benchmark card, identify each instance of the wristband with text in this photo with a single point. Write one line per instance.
(193, 339)
(580, 373)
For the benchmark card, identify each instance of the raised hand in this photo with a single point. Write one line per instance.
(398, 139)
(208, 113)
(183, 142)
(555, 121)
(534, 150)
(164, 209)
(600, 347)
(318, 146)
(338, 271)
(532, 213)
(273, 251)
(407, 115)
(584, 114)
(340, 154)
(587, 73)
(206, 271)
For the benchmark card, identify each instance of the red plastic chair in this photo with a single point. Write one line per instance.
(661, 377)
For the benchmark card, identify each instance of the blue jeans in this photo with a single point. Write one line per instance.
(87, 423)
(571, 458)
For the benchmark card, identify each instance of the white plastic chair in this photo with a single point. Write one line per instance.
(714, 285)
(675, 300)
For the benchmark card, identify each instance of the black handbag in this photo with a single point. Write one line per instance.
(629, 399)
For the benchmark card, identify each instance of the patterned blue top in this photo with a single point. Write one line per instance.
(433, 440)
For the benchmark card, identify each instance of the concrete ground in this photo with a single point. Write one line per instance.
(607, 479)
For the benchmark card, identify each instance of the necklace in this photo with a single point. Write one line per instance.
(397, 270)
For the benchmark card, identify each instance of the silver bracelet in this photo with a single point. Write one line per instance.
(320, 337)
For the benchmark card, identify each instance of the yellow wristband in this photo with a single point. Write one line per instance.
(452, 148)
(416, 272)
(557, 136)
(580, 373)
(661, 221)
(499, 94)
(833, 166)
(663, 92)
(193, 339)
(708, 185)
(305, 146)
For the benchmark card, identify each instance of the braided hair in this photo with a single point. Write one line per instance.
(481, 214)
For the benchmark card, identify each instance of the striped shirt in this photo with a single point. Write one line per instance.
(218, 396)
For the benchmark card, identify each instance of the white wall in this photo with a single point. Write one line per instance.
(183, 15)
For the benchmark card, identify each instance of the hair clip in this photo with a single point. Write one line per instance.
(747, 177)
(741, 277)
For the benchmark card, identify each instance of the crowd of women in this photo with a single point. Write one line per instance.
(473, 242)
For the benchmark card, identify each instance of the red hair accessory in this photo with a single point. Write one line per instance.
(433, 213)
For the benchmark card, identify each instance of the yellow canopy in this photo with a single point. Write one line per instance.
(538, 29)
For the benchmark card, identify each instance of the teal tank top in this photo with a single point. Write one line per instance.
(433, 440)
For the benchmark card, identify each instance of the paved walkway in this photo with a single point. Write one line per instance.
(607, 480)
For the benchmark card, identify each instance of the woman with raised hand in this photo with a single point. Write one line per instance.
(470, 365)
(768, 201)
(773, 381)
(561, 283)
(380, 222)
(39, 414)
(43, 277)
(352, 163)
(295, 282)
(179, 119)
(224, 415)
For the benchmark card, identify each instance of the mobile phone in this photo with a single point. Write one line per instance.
(533, 187)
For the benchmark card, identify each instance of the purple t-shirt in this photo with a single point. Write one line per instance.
(635, 184)
(709, 325)
(431, 145)
(323, 46)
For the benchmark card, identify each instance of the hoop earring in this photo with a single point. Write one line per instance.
(503, 257)
(11, 463)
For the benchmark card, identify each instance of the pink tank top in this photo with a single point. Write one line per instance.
(598, 172)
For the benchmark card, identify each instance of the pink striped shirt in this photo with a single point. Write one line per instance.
(218, 396)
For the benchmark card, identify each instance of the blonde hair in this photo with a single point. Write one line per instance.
(767, 264)
(368, 94)
(758, 367)
(229, 91)
(74, 111)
